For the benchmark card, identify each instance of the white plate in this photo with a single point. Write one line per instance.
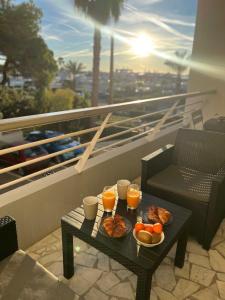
(149, 245)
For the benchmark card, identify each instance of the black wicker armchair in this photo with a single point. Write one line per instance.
(8, 237)
(191, 174)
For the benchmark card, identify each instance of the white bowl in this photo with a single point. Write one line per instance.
(149, 245)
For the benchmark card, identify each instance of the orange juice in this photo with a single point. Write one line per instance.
(108, 200)
(133, 198)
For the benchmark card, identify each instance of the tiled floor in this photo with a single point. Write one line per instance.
(100, 278)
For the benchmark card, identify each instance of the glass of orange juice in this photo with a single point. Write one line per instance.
(133, 196)
(108, 198)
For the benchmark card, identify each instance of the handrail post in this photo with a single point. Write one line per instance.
(80, 165)
(158, 126)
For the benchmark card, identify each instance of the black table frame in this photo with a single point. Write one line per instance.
(154, 256)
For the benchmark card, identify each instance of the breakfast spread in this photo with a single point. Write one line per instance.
(114, 226)
(148, 235)
(158, 215)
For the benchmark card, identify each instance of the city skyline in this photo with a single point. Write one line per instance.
(169, 26)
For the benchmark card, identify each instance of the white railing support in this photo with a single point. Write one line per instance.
(80, 165)
(157, 128)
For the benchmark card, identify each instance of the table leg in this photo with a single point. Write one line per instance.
(144, 282)
(68, 259)
(181, 249)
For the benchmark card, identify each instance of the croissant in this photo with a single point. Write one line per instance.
(114, 226)
(164, 215)
(158, 215)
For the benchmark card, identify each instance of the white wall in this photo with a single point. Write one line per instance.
(209, 55)
(11, 136)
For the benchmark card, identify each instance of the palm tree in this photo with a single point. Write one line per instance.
(100, 11)
(111, 71)
(74, 68)
(180, 68)
(116, 7)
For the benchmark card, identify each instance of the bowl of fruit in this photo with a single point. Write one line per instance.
(148, 235)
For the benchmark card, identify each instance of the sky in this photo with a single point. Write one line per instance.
(168, 25)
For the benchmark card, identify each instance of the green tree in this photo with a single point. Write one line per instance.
(74, 68)
(59, 100)
(178, 66)
(16, 103)
(25, 51)
(82, 101)
(101, 12)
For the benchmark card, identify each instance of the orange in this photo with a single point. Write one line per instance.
(139, 226)
(149, 228)
(157, 227)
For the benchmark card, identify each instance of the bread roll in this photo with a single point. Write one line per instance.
(144, 237)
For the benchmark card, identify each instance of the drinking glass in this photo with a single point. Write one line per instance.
(108, 198)
(133, 196)
(90, 207)
(122, 186)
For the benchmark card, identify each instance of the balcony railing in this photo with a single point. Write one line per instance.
(177, 114)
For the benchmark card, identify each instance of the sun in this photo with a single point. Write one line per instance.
(142, 45)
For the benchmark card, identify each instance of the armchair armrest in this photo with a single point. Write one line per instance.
(217, 194)
(8, 237)
(154, 163)
(216, 208)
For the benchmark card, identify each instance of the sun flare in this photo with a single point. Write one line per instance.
(142, 45)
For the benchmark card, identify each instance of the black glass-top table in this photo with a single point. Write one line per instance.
(140, 260)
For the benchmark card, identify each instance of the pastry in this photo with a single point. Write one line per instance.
(158, 215)
(114, 226)
(153, 214)
(164, 215)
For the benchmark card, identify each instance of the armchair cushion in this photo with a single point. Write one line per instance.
(182, 182)
(21, 278)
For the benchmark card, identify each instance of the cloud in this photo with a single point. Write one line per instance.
(75, 54)
(147, 2)
(176, 22)
(50, 37)
(133, 16)
(89, 53)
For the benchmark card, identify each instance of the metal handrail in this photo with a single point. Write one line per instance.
(41, 172)
(163, 121)
(111, 136)
(63, 116)
(41, 158)
(132, 138)
(44, 171)
(84, 131)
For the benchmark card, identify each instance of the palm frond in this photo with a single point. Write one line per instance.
(100, 10)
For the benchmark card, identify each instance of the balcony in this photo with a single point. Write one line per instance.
(98, 277)
(56, 190)
(38, 201)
